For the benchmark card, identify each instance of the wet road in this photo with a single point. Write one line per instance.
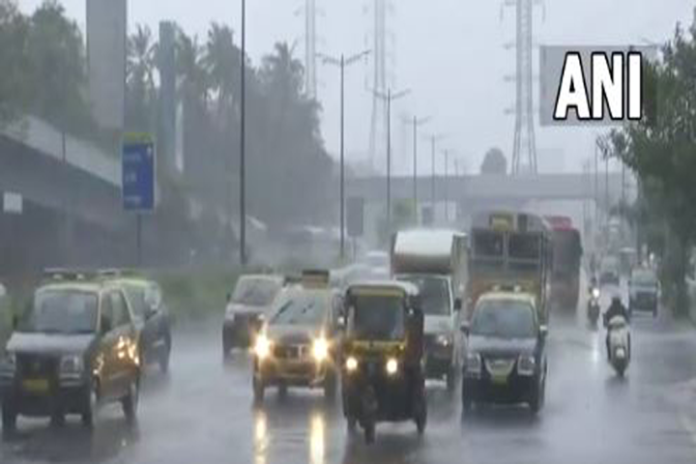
(202, 412)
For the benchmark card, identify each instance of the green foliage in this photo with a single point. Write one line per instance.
(196, 296)
(13, 37)
(494, 162)
(44, 70)
(661, 149)
(290, 175)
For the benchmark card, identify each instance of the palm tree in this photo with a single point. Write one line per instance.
(140, 68)
(194, 80)
(283, 74)
(222, 63)
(141, 57)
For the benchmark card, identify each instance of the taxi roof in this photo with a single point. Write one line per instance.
(406, 287)
(93, 286)
(509, 295)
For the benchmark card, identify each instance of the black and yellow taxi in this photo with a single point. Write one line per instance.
(506, 351)
(247, 309)
(297, 346)
(74, 349)
(150, 314)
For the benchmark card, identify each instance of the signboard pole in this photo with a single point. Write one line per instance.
(139, 239)
(139, 182)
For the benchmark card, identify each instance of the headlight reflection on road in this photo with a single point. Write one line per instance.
(261, 438)
(317, 439)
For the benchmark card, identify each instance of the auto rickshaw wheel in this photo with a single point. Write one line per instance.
(352, 424)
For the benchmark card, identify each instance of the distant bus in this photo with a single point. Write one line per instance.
(567, 257)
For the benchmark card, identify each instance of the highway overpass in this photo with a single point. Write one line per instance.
(489, 188)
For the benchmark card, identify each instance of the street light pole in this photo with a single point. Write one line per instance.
(242, 148)
(433, 141)
(446, 186)
(416, 123)
(389, 98)
(342, 62)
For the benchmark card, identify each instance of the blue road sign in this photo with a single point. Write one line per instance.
(138, 165)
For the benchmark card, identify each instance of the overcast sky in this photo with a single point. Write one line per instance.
(449, 52)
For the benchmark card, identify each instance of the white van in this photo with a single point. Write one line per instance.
(436, 262)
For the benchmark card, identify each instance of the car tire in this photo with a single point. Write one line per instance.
(351, 424)
(9, 419)
(537, 401)
(259, 390)
(330, 387)
(89, 413)
(129, 403)
(451, 380)
(369, 430)
(467, 401)
(165, 356)
(58, 419)
(421, 421)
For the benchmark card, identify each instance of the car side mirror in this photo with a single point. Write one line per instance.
(465, 328)
(106, 325)
(543, 331)
(458, 304)
(150, 312)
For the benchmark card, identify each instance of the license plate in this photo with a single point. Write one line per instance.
(36, 385)
(499, 380)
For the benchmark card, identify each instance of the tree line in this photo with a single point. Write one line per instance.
(290, 175)
(661, 150)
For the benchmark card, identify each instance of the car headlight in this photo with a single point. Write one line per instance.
(71, 364)
(526, 365)
(443, 340)
(320, 349)
(595, 293)
(392, 366)
(262, 347)
(473, 363)
(351, 364)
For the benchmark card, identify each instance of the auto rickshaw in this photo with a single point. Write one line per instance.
(382, 373)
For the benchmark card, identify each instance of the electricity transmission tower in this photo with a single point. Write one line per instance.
(524, 151)
(381, 10)
(310, 12)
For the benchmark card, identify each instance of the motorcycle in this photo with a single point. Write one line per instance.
(593, 307)
(619, 344)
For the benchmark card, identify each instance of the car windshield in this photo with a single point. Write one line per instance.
(377, 259)
(504, 319)
(377, 317)
(643, 279)
(610, 264)
(61, 311)
(255, 292)
(301, 308)
(434, 294)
